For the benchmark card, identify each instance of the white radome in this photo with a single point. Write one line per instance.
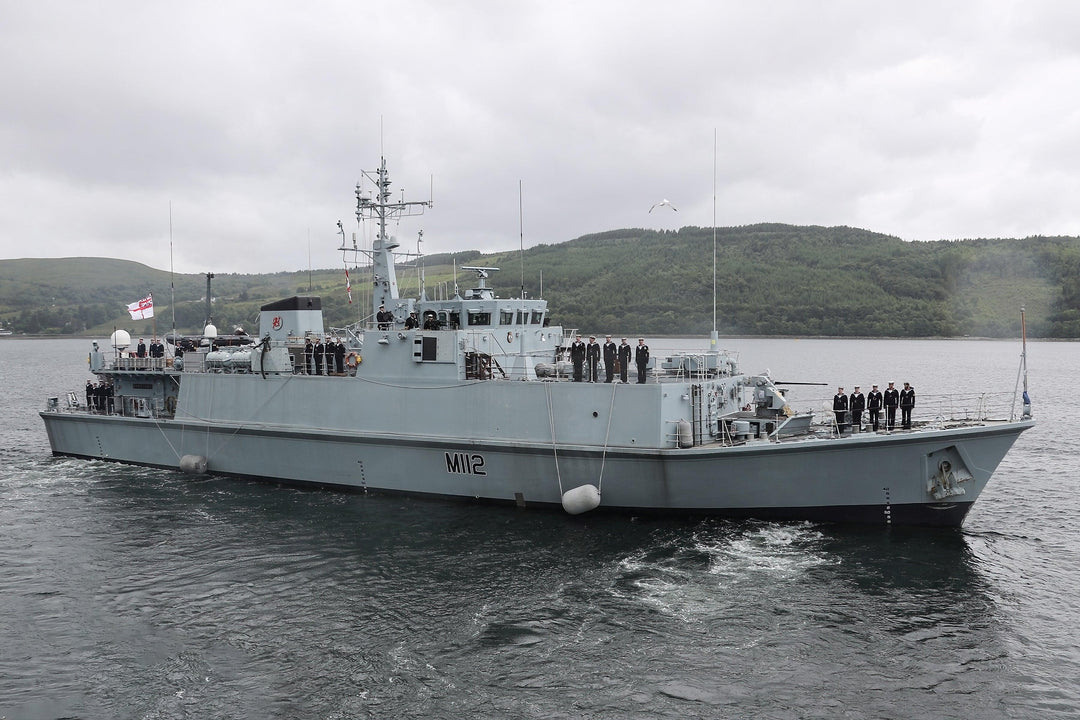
(120, 339)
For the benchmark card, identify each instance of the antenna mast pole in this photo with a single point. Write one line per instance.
(521, 237)
(209, 299)
(172, 280)
(421, 270)
(713, 337)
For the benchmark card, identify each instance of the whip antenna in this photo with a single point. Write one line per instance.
(172, 281)
(713, 337)
(521, 238)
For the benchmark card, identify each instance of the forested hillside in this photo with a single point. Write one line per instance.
(786, 280)
(770, 280)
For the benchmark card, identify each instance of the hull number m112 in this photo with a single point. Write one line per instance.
(465, 464)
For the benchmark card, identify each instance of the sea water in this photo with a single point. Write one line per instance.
(136, 593)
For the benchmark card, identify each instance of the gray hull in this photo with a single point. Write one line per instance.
(806, 478)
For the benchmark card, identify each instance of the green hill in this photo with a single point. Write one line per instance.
(787, 280)
(771, 279)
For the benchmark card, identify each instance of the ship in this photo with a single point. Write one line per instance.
(472, 397)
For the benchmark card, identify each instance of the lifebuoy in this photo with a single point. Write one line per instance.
(510, 336)
(352, 360)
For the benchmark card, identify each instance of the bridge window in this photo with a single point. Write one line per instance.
(537, 317)
(506, 317)
(479, 317)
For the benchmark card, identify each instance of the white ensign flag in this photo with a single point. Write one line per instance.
(142, 309)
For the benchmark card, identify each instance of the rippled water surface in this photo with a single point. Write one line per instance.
(136, 593)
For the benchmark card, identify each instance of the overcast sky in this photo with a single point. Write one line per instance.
(924, 120)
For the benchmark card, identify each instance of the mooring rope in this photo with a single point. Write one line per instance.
(607, 434)
(158, 425)
(554, 446)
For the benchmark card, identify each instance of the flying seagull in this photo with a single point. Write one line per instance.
(662, 203)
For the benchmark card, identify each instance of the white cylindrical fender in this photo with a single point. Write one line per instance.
(581, 499)
(193, 464)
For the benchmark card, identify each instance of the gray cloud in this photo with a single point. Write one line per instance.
(253, 120)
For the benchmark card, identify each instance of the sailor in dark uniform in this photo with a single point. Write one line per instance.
(892, 399)
(873, 406)
(907, 404)
(611, 351)
(384, 317)
(140, 350)
(577, 356)
(309, 355)
(624, 359)
(339, 356)
(330, 349)
(318, 355)
(641, 357)
(411, 323)
(856, 404)
(840, 406)
(592, 357)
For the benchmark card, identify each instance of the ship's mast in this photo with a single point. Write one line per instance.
(378, 206)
